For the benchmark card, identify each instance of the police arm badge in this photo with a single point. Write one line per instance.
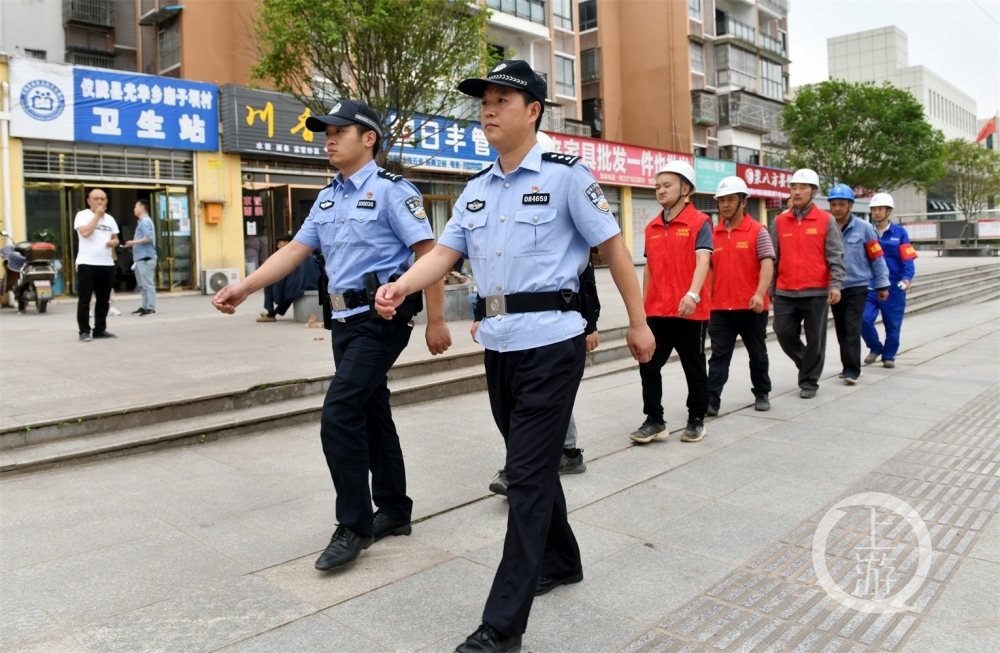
(415, 205)
(596, 197)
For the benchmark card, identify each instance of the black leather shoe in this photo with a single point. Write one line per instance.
(103, 334)
(499, 484)
(488, 639)
(386, 525)
(546, 585)
(344, 548)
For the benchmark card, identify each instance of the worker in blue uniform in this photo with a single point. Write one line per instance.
(527, 224)
(368, 224)
(899, 256)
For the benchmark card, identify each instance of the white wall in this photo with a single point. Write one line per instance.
(32, 24)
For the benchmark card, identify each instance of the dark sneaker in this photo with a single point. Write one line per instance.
(344, 548)
(572, 462)
(840, 376)
(871, 358)
(85, 337)
(650, 431)
(138, 311)
(761, 403)
(850, 379)
(488, 639)
(713, 410)
(888, 364)
(546, 585)
(694, 431)
(807, 393)
(386, 526)
(499, 484)
(146, 311)
(104, 334)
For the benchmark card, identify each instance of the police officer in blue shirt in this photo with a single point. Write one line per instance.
(368, 224)
(527, 223)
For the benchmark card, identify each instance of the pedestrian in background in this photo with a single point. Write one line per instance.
(143, 246)
(95, 264)
(280, 295)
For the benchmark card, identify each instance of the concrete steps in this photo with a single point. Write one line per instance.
(268, 406)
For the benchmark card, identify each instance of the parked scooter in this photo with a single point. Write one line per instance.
(30, 273)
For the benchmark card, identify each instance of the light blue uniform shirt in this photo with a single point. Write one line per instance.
(366, 223)
(530, 230)
(861, 271)
(144, 230)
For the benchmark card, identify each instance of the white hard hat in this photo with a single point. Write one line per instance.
(731, 186)
(545, 141)
(805, 176)
(680, 168)
(881, 199)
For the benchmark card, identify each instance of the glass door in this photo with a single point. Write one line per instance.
(174, 248)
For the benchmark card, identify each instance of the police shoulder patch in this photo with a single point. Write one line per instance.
(480, 173)
(391, 176)
(596, 197)
(325, 204)
(415, 205)
(556, 157)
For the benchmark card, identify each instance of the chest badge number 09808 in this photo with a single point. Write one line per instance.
(416, 207)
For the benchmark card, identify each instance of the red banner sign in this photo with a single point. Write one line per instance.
(765, 182)
(616, 163)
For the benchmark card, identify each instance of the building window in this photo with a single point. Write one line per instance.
(736, 67)
(533, 10)
(740, 155)
(784, 84)
(565, 77)
(697, 58)
(770, 79)
(590, 65)
(694, 9)
(562, 14)
(169, 40)
(35, 54)
(588, 14)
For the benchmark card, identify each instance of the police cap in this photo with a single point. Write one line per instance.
(346, 112)
(510, 72)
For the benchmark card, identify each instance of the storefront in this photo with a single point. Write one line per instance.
(708, 174)
(768, 190)
(133, 136)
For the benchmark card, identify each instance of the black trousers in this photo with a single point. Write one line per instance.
(723, 327)
(270, 306)
(688, 338)
(791, 316)
(357, 430)
(847, 314)
(531, 395)
(94, 280)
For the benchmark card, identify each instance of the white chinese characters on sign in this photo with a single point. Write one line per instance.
(192, 128)
(150, 125)
(102, 89)
(109, 122)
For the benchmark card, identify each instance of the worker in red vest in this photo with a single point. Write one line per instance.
(675, 292)
(742, 267)
(808, 275)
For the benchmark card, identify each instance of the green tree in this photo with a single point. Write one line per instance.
(399, 56)
(863, 135)
(972, 178)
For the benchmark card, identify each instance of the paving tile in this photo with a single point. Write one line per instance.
(988, 545)
(446, 599)
(970, 599)
(935, 635)
(316, 633)
(584, 489)
(795, 432)
(58, 642)
(785, 494)
(200, 621)
(383, 563)
(25, 620)
(120, 578)
(640, 510)
(558, 623)
(706, 477)
(467, 528)
(639, 463)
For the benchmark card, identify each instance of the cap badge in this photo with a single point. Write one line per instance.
(335, 109)
(499, 67)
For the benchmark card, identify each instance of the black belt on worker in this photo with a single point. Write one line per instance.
(527, 302)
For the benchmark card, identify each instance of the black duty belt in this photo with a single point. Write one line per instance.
(348, 300)
(527, 302)
(148, 258)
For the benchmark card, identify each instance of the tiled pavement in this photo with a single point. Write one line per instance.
(686, 547)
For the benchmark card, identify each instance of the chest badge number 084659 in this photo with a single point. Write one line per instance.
(415, 206)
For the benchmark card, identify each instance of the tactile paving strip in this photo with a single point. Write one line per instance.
(950, 477)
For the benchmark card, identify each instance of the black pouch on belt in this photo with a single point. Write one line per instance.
(412, 305)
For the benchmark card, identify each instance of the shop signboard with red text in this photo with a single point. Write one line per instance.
(618, 164)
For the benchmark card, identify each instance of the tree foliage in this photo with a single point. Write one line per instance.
(863, 135)
(399, 56)
(972, 177)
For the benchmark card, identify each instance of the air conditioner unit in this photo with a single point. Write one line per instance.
(212, 281)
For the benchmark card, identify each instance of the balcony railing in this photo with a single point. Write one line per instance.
(576, 127)
(732, 27)
(590, 65)
(704, 108)
(533, 10)
(727, 77)
(749, 113)
(772, 44)
(89, 12)
(779, 7)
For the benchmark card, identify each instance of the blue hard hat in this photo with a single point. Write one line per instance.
(841, 192)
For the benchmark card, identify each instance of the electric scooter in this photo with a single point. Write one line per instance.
(29, 274)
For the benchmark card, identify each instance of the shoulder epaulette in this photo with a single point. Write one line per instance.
(556, 157)
(327, 186)
(391, 176)
(480, 173)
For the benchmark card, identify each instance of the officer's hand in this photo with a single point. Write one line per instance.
(883, 295)
(686, 307)
(227, 299)
(438, 338)
(388, 298)
(641, 342)
(474, 330)
(757, 303)
(906, 282)
(834, 296)
(593, 340)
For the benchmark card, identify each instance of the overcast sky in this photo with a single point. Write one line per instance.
(957, 39)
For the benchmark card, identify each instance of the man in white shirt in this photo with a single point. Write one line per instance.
(95, 265)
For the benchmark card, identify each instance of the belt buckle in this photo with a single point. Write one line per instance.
(337, 302)
(496, 305)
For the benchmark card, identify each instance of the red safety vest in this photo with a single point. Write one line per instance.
(735, 266)
(671, 262)
(802, 250)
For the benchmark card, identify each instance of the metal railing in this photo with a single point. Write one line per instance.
(89, 12)
(704, 108)
(576, 127)
(778, 6)
(533, 10)
(732, 27)
(772, 44)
